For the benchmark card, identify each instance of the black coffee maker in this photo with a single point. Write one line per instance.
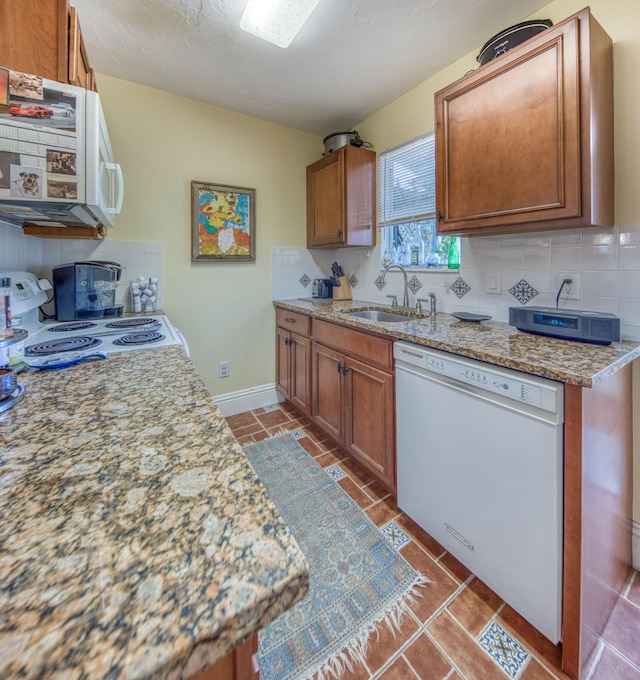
(86, 290)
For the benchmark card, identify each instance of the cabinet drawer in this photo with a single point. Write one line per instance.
(293, 321)
(372, 348)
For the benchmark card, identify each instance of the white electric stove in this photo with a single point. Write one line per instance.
(107, 335)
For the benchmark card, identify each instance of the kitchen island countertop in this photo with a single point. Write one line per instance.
(136, 540)
(496, 342)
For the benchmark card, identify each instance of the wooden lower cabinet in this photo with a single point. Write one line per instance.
(354, 402)
(238, 664)
(293, 359)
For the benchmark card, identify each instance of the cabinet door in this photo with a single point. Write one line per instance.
(369, 431)
(326, 201)
(282, 361)
(300, 373)
(327, 398)
(508, 138)
(80, 73)
(33, 37)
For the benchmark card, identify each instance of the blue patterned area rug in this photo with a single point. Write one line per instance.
(358, 581)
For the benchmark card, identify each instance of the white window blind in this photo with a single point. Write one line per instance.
(406, 182)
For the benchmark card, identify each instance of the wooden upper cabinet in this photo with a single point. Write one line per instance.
(526, 142)
(341, 199)
(43, 37)
(80, 73)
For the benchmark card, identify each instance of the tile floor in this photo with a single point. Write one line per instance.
(460, 629)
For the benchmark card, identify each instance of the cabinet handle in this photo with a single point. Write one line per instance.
(340, 233)
(288, 319)
(339, 367)
(342, 369)
(439, 216)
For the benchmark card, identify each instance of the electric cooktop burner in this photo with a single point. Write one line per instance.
(63, 345)
(131, 323)
(72, 326)
(143, 338)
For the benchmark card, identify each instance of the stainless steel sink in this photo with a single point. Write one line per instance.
(378, 315)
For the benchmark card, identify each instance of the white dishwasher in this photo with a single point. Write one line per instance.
(480, 469)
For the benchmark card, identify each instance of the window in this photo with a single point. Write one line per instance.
(407, 206)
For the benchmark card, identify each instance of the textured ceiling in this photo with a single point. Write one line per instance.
(350, 59)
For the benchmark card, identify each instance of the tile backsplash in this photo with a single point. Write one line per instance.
(526, 267)
(39, 256)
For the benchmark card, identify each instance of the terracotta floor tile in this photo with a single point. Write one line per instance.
(358, 472)
(259, 436)
(532, 639)
(467, 655)
(273, 418)
(454, 566)
(315, 433)
(287, 407)
(623, 630)
(383, 645)
(611, 666)
(377, 491)
(471, 611)
(241, 420)
(434, 594)
(536, 671)
(248, 439)
(382, 512)
(358, 495)
(358, 672)
(426, 659)
(399, 670)
(327, 459)
(251, 429)
(422, 537)
(310, 447)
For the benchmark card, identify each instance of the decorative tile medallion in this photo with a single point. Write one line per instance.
(335, 472)
(395, 535)
(460, 287)
(305, 280)
(297, 434)
(380, 284)
(353, 281)
(414, 284)
(271, 407)
(523, 291)
(505, 650)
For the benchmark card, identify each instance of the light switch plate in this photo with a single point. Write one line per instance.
(494, 283)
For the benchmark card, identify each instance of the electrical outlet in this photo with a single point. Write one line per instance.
(570, 291)
(223, 369)
(494, 283)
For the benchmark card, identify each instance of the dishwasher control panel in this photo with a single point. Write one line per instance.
(520, 387)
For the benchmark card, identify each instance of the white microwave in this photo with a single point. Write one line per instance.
(56, 164)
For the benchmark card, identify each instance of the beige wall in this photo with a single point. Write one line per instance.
(412, 115)
(163, 142)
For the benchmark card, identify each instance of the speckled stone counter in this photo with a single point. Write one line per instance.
(136, 540)
(495, 342)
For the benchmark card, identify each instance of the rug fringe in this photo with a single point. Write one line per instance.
(356, 652)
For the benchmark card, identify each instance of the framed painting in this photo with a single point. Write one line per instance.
(223, 226)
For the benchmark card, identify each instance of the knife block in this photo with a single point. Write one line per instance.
(343, 291)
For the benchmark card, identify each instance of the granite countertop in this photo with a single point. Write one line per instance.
(136, 540)
(496, 342)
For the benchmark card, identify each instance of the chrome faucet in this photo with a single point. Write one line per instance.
(405, 297)
(432, 302)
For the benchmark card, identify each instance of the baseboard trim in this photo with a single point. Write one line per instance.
(635, 545)
(233, 403)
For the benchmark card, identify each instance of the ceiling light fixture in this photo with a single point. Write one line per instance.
(276, 21)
